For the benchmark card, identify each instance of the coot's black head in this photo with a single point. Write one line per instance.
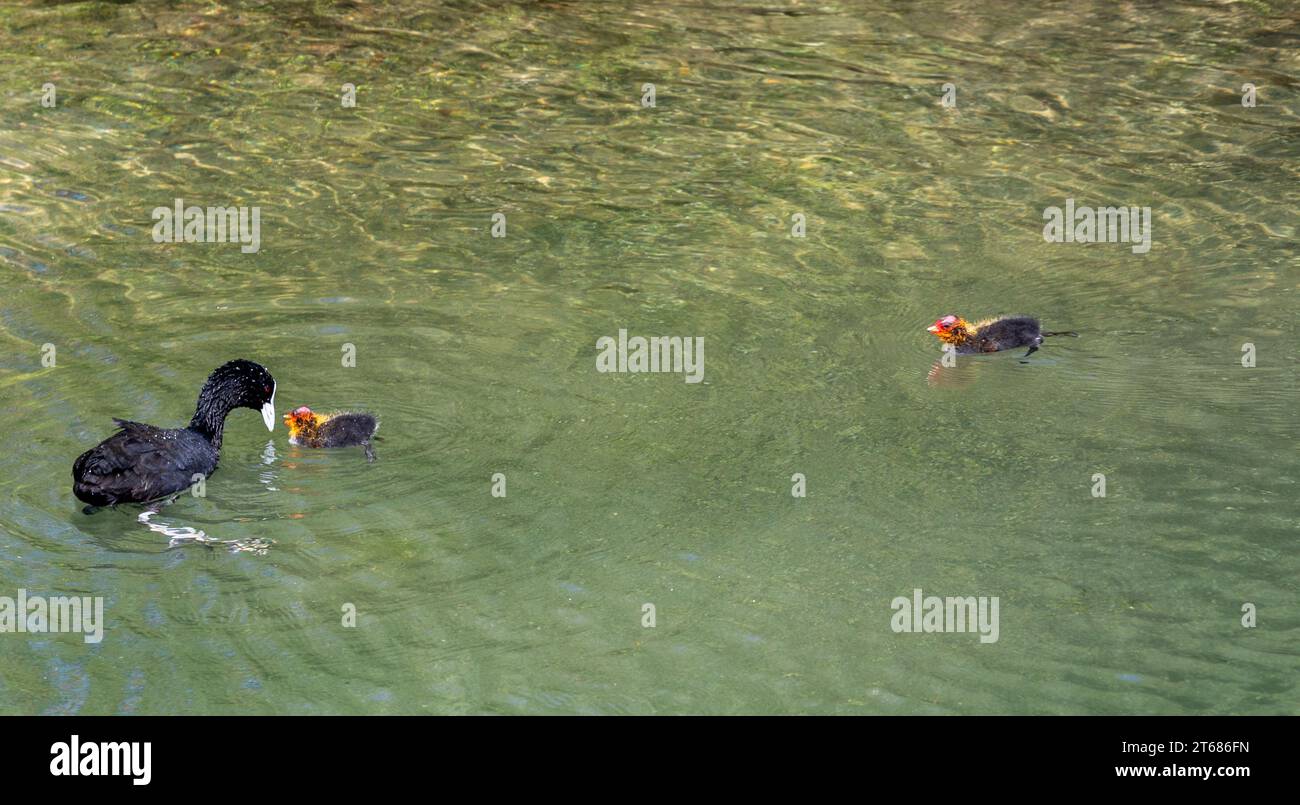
(237, 384)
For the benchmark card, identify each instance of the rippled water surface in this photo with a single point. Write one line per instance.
(478, 355)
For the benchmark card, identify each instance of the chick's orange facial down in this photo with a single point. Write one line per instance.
(950, 329)
(302, 422)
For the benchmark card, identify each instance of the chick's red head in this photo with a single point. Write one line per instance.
(942, 325)
(949, 329)
(299, 418)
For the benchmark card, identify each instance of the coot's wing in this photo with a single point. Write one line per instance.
(138, 463)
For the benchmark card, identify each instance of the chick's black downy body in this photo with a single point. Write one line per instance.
(142, 463)
(347, 430)
(1000, 334)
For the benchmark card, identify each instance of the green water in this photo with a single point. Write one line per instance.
(478, 355)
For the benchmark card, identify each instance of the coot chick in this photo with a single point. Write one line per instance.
(310, 429)
(142, 463)
(991, 335)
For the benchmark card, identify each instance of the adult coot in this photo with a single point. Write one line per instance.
(141, 463)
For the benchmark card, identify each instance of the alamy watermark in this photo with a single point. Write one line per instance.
(77, 758)
(193, 224)
(654, 354)
(952, 614)
(1099, 225)
(37, 614)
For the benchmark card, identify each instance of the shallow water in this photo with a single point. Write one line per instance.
(478, 355)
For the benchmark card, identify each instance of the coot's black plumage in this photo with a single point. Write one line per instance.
(141, 463)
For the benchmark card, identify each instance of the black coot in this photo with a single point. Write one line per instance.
(141, 463)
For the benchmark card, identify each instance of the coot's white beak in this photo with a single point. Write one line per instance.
(268, 411)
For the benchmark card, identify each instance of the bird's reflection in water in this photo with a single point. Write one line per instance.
(185, 535)
(267, 477)
(956, 376)
(268, 453)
